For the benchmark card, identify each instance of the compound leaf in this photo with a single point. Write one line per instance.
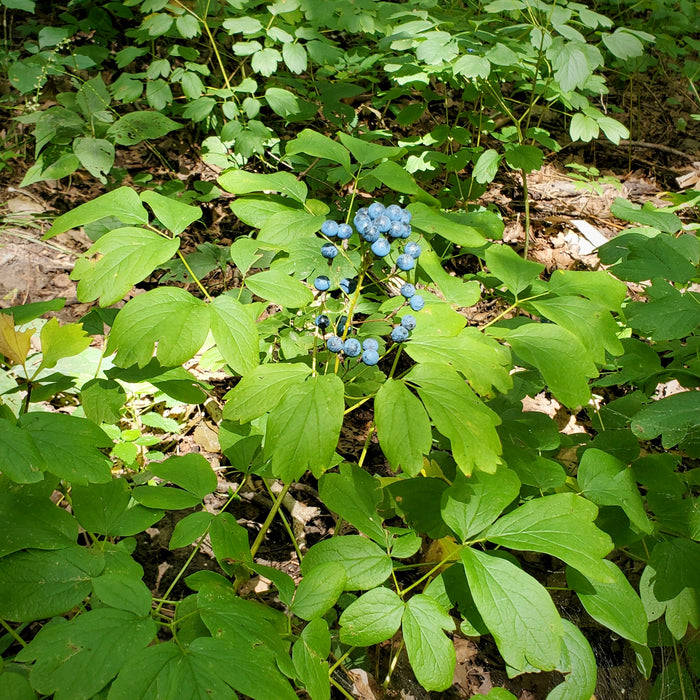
(174, 215)
(279, 288)
(578, 657)
(235, 333)
(135, 127)
(319, 146)
(58, 341)
(319, 590)
(20, 458)
(309, 655)
(243, 182)
(516, 273)
(191, 472)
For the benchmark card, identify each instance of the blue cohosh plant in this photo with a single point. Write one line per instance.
(470, 471)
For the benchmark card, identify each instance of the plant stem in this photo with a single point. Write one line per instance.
(12, 633)
(193, 276)
(526, 201)
(268, 521)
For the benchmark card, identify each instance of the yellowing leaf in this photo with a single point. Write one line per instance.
(58, 341)
(14, 344)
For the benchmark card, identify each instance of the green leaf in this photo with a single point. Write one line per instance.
(295, 57)
(667, 314)
(189, 529)
(20, 458)
(570, 64)
(229, 540)
(431, 653)
(123, 204)
(486, 166)
(279, 288)
(482, 360)
(191, 472)
(286, 227)
(262, 389)
(102, 400)
(121, 258)
(309, 654)
(615, 605)
(62, 341)
(70, 446)
(257, 637)
(578, 656)
(398, 179)
(176, 216)
(613, 130)
(396, 408)
(373, 618)
(319, 146)
(607, 481)
(303, 429)
(671, 417)
(558, 355)
(598, 286)
(76, 659)
(366, 564)
(677, 565)
(38, 584)
(590, 322)
(107, 509)
(15, 686)
(516, 273)
(471, 504)
(95, 155)
(30, 520)
(517, 610)
(235, 333)
(354, 495)
(164, 497)
(243, 182)
(123, 592)
(366, 152)
(560, 525)
(648, 215)
(265, 61)
(167, 316)
(319, 590)
(455, 290)
(623, 44)
(135, 127)
(524, 157)
(282, 581)
(583, 128)
(282, 102)
(256, 211)
(459, 415)
(23, 313)
(471, 66)
(168, 672)
(418, 501)
(431, 221)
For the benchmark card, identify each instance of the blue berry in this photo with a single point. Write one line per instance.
(399, 334)
(370, 344)
(328, 250)
(383, 223)
(344, 231)
(322, 321)
(405, 262)
(362, 224)
(341, 325)
(329, 228)
(370, 357)
(394, 212)
(375, 209)
(406, 216)
(406, 232)
(362, 211)
(408, 290)
(334, 343)
(381, 247)
(408, 322)
(412, 249)
(371, 235)
(396, 229)
(348, 285)
(352, 347)
(416, 302)
(322, 283)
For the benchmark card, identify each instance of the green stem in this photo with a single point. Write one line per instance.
(12, 633)
(392, 665)
(526, 201)
(426, 576)
(193, 276)
(286, 524)
(268, 521)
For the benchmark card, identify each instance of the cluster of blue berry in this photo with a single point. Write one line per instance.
(379, 226)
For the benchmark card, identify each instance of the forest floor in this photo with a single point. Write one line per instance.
(570, 218)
